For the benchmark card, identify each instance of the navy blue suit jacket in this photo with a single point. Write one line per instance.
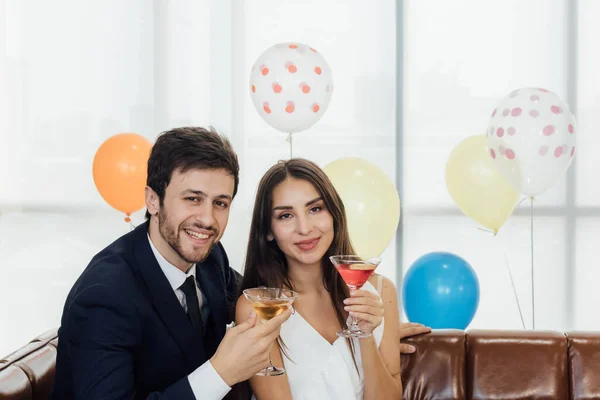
(124, 334)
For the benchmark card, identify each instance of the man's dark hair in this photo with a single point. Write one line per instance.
(183, 149)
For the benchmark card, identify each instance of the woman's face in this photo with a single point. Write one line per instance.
(300, 223)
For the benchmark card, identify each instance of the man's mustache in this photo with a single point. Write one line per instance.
(207, 228)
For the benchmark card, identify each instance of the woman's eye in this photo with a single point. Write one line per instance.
(285, 216)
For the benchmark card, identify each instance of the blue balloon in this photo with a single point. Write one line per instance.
(441, 290)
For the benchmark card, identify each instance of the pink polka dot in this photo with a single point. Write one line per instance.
(290, 107)
(264, 70)
(509, 154)
(571, 129)
(277, 87)
(266, 107)
(505, 112)
(534, 113)
(573, 151)
(494, 112)
(291, 67)
(493, 153)
(511, 131)
(516, 112)
(253, 89)
(500, 132)
(305, 88)
(542, 90)
(535, 98)
(313, 50)
(558, 151)
(501, 150)
(555, 109)
(293, 46)
(543, 150)
(316, 108)
(549, 130)
(318, 70)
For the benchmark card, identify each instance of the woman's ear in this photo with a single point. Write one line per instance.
(270, 237)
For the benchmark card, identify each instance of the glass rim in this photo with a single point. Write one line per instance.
(289, 293)
(354, 259)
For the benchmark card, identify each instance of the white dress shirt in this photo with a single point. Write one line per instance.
(205, 381)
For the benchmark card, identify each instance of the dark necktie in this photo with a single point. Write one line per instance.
(191, 298)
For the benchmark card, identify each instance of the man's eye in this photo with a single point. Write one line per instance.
(221, 204)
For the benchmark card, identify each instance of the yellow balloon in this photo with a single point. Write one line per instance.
(477, 187)
(371, 201)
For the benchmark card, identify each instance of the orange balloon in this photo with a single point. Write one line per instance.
(120, 170)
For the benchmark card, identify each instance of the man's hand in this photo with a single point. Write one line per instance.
(245, 348)
(411, 329)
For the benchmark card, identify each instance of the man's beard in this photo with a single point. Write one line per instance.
(171, 236)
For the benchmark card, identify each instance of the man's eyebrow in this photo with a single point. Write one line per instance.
(202, 194)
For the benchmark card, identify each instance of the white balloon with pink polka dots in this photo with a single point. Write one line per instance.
(531, 138)
(291, 86)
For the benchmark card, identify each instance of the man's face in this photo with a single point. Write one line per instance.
(193, 216)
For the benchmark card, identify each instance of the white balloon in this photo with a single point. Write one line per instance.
(291, 86)
(531, 137)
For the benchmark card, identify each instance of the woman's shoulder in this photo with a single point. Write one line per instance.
(383, 285)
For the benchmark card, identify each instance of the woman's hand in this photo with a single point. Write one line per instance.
(367, 307)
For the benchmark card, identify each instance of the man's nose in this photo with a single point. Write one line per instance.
(205, 215)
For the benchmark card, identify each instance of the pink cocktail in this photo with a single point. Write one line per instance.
(355, 271)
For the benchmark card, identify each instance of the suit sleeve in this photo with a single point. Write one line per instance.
(103, 333)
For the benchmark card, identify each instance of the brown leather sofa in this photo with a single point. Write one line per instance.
(28, 373)
(494, 365)
(447, 365)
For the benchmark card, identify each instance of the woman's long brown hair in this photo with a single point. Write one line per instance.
(266, 264)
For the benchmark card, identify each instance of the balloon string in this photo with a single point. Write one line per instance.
(512, 282)
(289, 139)
(128, 219)
(493, 232)
(532, 276)
(522, 200)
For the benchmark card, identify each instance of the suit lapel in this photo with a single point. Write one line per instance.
(208, 275)
(165, 301)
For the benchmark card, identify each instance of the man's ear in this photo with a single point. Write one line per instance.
(270, 237)
(152, 201)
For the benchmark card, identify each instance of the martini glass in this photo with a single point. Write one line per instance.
(268, 303)
(355, 271)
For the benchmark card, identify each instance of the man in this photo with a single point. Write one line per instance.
(147, 318)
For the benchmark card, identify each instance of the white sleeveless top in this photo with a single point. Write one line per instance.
(318, 369)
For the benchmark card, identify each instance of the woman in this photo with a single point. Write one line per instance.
(298, 222)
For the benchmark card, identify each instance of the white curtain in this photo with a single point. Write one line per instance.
(75, 73)
(461, 57)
